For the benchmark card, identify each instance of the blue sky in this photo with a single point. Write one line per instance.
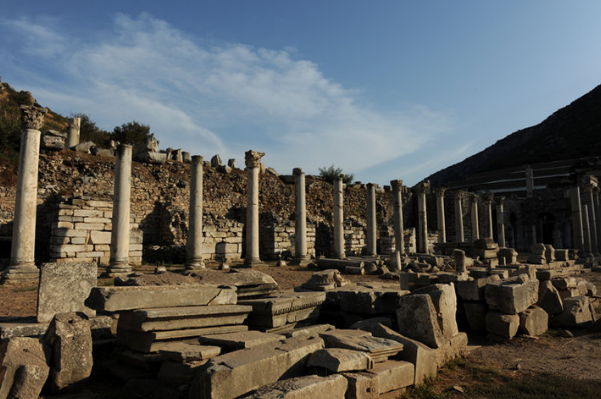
(384, 89)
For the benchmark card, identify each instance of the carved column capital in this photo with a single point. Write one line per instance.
(297, 171)
(253, 158)
(440, 191)
(32, 116)
(423, 187)
(458, 195)
(397, 185)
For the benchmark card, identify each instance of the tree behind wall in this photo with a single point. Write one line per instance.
(133, 133)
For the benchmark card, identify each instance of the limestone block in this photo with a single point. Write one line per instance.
(338, 360)
(216, 161)
(503, 325)
(178, 374)
(242, 340)
(475, 313)
(283, 308)
(379, 349)
(64, 288)
(310, 386)
(578, 312)
(564, 283)
(445, 301)
(181, 352)
(83, 147)
(370, 298)
(549, 298)
(417, 318)
(23, 368)
(452, 349)
(51, 142)
(511, 297)
(392, 375)
(534, 321)
(473, 288)
(151, 157)
(128, 298)
(237, 373)
(70, 337)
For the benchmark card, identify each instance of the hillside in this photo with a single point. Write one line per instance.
(571, 132)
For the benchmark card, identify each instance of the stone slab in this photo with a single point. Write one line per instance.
(370, 298)
(242, 340)
(417, 319)
(310, 386)
(23, 368)
(338, 360)
(378, 348)
(184, 352)
(279, 309)
(510, 296)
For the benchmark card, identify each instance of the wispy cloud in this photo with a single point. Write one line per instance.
(224, 98)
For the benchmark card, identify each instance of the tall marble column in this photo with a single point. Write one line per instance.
(597, 206)
(73, 132)
(440, 218)
(589, 200)
(119, 260)
(339, 219)
(253, 165)
(422, 226)
(300, 213)
(371, 220)
(588, 249)
(397, 199)
(458, 196)
(474, 218)
(529, 182)
(488, 204)
(500, 222)
(22, 268)
(194, 260)
(578, 233)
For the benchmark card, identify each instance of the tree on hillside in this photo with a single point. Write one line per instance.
(133, 133)
(331, 173)
(88, 131)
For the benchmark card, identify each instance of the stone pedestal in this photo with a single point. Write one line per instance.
(500, 222)
(371, 220)
(578, 233)
(22, 268)
(440, 218)
(73, 133)
(475, 221)
(253, 164)
(422, 227)
(458, 197)
(338, 219)
(300, 213)
(194, 259)
(119, 262)
(397, 196)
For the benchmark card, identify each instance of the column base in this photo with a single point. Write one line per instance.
(301, 262)
(117, 269)
(21, 274)
(254, 263)
(196, 265)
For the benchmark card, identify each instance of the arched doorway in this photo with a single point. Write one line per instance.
(545, 227)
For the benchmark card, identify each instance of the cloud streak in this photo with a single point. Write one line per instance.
(224, 98)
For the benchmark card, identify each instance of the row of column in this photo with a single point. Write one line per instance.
(586, 220)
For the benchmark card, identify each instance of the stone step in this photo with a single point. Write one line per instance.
(236, 341)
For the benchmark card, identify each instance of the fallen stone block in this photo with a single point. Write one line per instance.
(473, 288)
(445, 301)
(338, 360)
(549, 298)
(237, 373)
(339, 264)
(379, 349)
(452, 349)
(370, 298)
(182, 352)
(417, 318)
(23, 368)
(177, 374)
(114, 299)
(564, 283)
(510, 296)
(502, 325)
(578, 312)
(392, 375)
(309, 331)
(241, 340)
(325, 280)
(534, 321)
(310, 386)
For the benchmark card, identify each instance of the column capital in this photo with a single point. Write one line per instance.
(488, 198)
(458, 194)
(423, 187)
(397, 185)
(253, 158)
(473, 197)
(371, 185)
(297, 171)
(197, 158)
(500, 200)
(440, 191)
(32, 116)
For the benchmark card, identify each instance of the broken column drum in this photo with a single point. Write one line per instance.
(300, 237)
(22, 267)
(73, 133)
(488, 204)
(440, 218)
(119, 262)
(422, 188)
(253, 164)
(475, 222)
(578, 233)
(458, 217)
(500, 222)
(371, 219)
(338, 219)
(194, 245)
(397, 196)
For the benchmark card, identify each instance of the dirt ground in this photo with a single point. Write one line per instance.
(576, 357)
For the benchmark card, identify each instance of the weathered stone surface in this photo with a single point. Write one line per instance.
(338, 360)
(370, 298)
(236, 373)
(184, 352)
(23, 368)
(549, 298)
(216, 161)
(284, 308)
(417, 318)
(379, 349)
(178, 374)
(151, 157)
(242, 340)
(83, 147)
(534, 321)
(310, 386)
(452, 349)
(578, 312)
(564, 283)
(249, 283)
(70, 338)
(445, 301)
(309, 331)
(503, 325)
(393, 375)
(64, 288)
(472, 289)
(475, 313)
(339, 264)
(511, 297)
(128, 298)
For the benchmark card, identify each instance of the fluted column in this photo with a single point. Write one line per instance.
(397, 199)
(338, 219)
(440, 218)
(371, 220)
(422, 226)
(457, 197)
(73, 132)
(253, 165)
(194, 258)
(500, 222)
(474, 216)
(577, 230)
(300, 213)
(22, 267)
(488, 204)
(119, 261)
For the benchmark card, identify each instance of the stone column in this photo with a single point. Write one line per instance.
(399, 229)
(194, 259)
(253, 165)
(442, 234)
(578, 233)
(589, 200)
(338, 219)
(300, 237)
(500, 222)
(586, 230)
(73, 133)
(371, 220)
(475, 221)
(488, 204)
(598, 215)
(422, 226)
(458, 196)
(529, 182)
(22, 268)
(119, 262)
